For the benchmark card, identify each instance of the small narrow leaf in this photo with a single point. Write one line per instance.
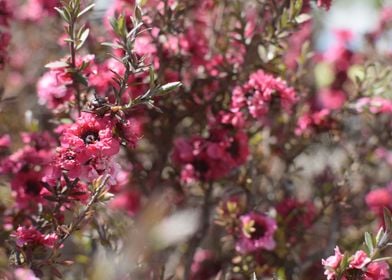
(382, 259)
(379, 234)
(138, 13)
(85, 10)
(168, 88)
(57, 64)
(369, 242)
(83, 38)
(63, 14)
(112, 45)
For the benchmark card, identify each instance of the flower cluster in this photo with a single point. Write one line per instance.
(32, 237)
(358, 266)
(261, 94)
(263, 156)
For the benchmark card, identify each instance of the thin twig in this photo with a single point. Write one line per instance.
(196, 240)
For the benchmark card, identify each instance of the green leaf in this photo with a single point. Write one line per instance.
(83, 38)
(379, 234)
(80, 79)
(57, 64)
(112, 45)
(382, 259)
(303, 18)
(85, 10)
(64, 15)
(369, 242)
(168, 88)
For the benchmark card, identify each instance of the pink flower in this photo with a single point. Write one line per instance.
(91, 136)
(375, 105)
(130, 131)
(26, 188)
(324, 4)
(379, 198)
(205, 265)
(6, 13)
(5, 141)
(359, 260)
(129, 201)
(332, 263)
(53, 93)
(29, 236)
(261, 93)
(256, 232)
(24, 274)
(377, 271)
(36, 10)
(210, 158)
(331, 98)
(312, 122)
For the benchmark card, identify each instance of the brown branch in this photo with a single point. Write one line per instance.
(196, 240)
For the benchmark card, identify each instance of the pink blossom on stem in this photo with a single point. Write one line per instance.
(256, 233)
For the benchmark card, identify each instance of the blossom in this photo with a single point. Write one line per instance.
(27, 187)
(375, 105)
(205, 265)
(6, 13)
(359, 260)
(24, 274)
(261, 93)
(35, 10)
(91, 136)
(378, 199)
(296, 214)
(51, 92)
(210, 158)
(311, 122)
(256, 232)
(29, 236)
(377, 271)
(129, 201)
(331, 98)
(332, 263)
(5, 141)
(324, 4)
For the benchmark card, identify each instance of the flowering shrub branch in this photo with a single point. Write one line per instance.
(271, 153)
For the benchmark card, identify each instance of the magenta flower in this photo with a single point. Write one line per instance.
(379, 198)
(257, 232)
(210, 158)
(296, 214)
(377, 271)
(29, 236)
(26, 188)
(259, 94)
(205, 265)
